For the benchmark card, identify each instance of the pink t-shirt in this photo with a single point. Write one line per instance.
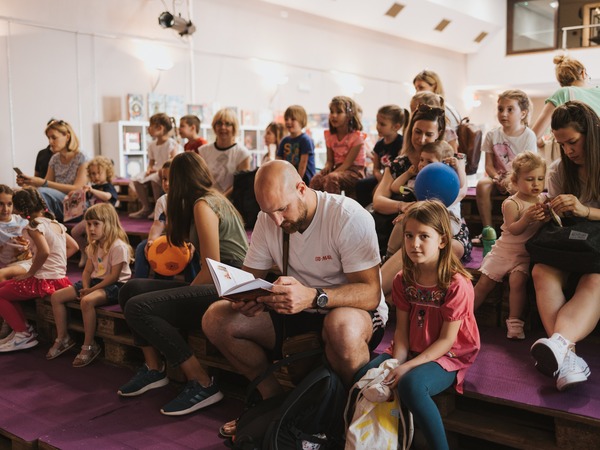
(341, 148)
(429, 307)
(103, 262)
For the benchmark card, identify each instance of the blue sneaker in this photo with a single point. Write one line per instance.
(143, 381)
(193, 397)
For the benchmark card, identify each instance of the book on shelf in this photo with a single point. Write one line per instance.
(133, 141)
(236, 284)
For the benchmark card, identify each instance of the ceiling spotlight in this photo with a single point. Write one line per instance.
(179, 24)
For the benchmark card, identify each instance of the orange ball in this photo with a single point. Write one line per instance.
(166, 259)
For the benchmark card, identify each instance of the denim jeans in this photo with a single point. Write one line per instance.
(415, 390)
(156, 311)
(54, 201)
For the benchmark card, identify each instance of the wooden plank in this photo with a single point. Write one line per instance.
(14, 442)
(500, 429)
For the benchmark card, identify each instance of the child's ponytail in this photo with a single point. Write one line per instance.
(28, 202)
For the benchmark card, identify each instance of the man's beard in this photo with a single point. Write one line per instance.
(298, 225)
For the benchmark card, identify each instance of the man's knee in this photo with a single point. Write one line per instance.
(347, 329)
(216, 320)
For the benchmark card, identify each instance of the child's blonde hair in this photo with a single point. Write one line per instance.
(296, 112)
(104, 163)
(525, 162)
(107, 214)
(522, 100)
(434, 214)
(441, 149)
(426, 98)
(277, 129)
(352, 110)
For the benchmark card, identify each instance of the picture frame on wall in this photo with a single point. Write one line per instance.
(157, 103)
(135, 107)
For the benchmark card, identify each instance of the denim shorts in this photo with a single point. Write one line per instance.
(112, 290)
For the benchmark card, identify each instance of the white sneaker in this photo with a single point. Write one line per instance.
(31, 330)
(9, 337)
(549, 353)
(515, 329)
(5, 330)
(573, 371)
(20, 341)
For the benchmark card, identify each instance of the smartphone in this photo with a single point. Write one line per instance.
(19, 172)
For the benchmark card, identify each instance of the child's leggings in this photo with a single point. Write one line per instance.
(416, 389)
(12, 292)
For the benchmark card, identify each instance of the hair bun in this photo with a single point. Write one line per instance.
(559, 59)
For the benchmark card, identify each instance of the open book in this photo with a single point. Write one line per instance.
(236, 284)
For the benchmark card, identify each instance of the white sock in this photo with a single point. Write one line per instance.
(559, 337)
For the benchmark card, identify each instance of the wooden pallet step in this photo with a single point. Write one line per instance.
(12, 442)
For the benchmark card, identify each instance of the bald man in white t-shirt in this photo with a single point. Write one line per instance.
(333, 283)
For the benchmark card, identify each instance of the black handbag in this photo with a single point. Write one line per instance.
(574, 247)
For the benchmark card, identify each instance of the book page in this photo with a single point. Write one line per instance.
(227, 277)
(236, 284)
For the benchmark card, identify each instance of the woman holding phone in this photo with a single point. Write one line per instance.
(66, 169)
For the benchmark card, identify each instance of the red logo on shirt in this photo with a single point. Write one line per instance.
(323, 258)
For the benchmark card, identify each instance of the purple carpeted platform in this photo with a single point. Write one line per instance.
(505, 369)
(79, 408)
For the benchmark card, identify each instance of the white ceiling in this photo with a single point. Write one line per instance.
(416, 21)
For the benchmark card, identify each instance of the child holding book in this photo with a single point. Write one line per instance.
(100, 172)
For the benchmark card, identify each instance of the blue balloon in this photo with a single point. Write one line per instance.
(437, 180)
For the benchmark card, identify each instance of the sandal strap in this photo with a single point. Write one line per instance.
(88, 347)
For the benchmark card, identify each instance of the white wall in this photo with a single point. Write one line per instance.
(491, 71)
(78, 59)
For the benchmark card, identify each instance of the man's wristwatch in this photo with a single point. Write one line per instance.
(321, 299)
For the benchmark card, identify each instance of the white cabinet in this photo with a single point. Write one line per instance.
(126, 143)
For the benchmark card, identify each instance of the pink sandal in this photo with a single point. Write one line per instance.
(60, 346)
(87, 354)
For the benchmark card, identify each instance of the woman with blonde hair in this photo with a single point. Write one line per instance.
(225, 156)
(429, 81)
(573, 78)
(66, 169)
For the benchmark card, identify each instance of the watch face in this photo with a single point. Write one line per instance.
(322, 300)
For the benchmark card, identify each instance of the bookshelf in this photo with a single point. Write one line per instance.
(125, 142)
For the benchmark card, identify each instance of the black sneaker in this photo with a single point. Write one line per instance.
(143, 381)
(193, 397)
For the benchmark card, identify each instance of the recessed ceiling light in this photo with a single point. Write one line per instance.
(394, 10)
(480, 37)
(443, 24)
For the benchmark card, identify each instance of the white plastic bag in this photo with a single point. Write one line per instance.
(375, 421)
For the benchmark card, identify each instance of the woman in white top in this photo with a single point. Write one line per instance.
(225, 156)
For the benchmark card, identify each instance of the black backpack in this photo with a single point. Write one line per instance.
(243, 197)
(313, 412)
